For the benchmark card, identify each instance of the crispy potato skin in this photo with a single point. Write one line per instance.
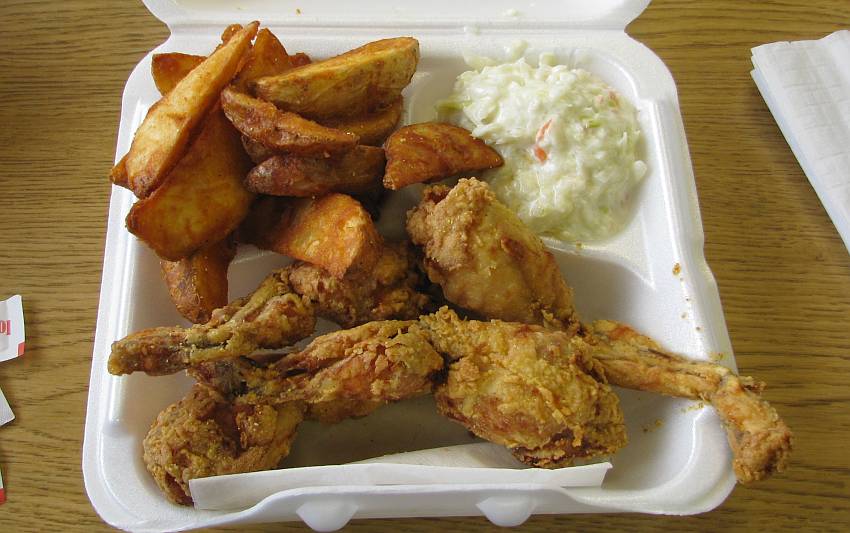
(279, 130)
(198, 283)
(373, 128)
(165, 133)
(202, 200)
(229, 32)
(118, 174)
(300, 59)
(355, 83)
(267, 57)
(355, 172)
(257, 151)
(333, 232)
(169, 68)
(432, 151)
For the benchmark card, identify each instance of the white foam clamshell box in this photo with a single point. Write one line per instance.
(677, 460)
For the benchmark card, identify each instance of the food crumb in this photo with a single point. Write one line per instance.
(297, 11)
(677, 269)
(699, 328)
(696, 406)
(684, 315)
(716, 357)
(655, 425)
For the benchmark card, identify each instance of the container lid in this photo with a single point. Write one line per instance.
(498, 14)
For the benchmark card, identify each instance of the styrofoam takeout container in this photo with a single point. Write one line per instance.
(652, 275)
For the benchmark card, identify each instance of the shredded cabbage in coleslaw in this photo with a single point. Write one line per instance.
(569, 142)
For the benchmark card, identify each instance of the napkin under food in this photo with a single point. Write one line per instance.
(806, 85)
(466, 464)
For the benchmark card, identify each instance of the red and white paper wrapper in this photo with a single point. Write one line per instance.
(11, 328)
(6, 414)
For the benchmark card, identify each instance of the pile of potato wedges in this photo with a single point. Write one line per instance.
(253, 144)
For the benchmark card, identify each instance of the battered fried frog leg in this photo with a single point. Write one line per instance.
(204, 434)
(272, 317)
(534, 390)
(466, 229)
(761, 442)
(339, 375)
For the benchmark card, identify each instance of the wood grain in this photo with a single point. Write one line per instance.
(783, 272)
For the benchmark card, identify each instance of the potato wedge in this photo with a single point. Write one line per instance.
(118, 174)
(257, 151)
(279, 130)
(355, 83)
(198, 283)
(163, 136)
(333, 232)
(229, 32)
(168, 69)
(267, 57)
(356, 172)
(265, 219)
(372, 129)
(432, 151)
(203, 198)
(300, 59)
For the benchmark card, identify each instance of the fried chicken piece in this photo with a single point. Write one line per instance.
(761, 442)
(388, 291)
(272, 317)
(536, 391)
(486, 259)
(205, 435)
(341, 374)
(465, 228)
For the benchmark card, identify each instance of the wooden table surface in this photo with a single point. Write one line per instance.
(783, 272)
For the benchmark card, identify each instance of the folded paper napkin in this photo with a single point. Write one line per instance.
(481, 463)
(806, 85)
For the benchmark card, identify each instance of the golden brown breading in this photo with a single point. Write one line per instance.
(271, 317)
(466, 230)
(536, 391)
(761, 442)
(388, 291)
(486, 260)
(205, 435)
(360, 369)
(431, 151)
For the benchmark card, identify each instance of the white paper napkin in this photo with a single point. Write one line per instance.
(806, 85)
(466, 464)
